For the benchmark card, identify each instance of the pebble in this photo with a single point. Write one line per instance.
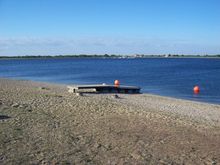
(135, 155)
(22, 106)
(15, 105)
(2, 158)
(44, 88)
(97, 145)
(29, 110)
(115, 96)
(79, 94)
(214, 162)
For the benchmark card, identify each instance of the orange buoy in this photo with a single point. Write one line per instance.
(117, 83)
(196, 89)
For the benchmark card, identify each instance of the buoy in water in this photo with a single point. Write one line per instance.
(117, 82)
(196, 89)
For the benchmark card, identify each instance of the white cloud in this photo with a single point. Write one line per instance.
(101, 45)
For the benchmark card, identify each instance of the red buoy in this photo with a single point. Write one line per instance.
(117, 82)
(196, 89)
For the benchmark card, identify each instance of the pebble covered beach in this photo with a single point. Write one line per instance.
(41, 123)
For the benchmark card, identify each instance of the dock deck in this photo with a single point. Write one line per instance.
(103, 88)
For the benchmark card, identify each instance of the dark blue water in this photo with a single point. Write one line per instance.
(168, 77)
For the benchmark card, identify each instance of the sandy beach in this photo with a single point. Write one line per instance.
(41, 123)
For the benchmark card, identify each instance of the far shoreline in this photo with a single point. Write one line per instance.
(107, 56)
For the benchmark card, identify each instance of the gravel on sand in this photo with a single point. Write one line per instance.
(41, 123)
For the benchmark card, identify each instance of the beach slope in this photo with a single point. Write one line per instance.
(42, 123)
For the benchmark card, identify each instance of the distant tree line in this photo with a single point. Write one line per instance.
(110, 56)
(63, 56)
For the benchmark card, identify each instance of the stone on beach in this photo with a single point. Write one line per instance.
(15, 105)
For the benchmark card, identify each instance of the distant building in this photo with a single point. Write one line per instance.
(167, 55)
(139, 55)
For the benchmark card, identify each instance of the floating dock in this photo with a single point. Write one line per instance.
(103, 88)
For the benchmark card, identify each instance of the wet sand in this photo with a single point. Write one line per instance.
(42, 123)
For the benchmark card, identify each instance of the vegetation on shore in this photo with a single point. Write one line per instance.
(111, 56)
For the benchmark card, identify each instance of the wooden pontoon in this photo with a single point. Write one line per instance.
(103, 88)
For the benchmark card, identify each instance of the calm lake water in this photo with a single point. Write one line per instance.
(167, 77)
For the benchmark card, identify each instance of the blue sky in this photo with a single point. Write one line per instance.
(51, 27)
